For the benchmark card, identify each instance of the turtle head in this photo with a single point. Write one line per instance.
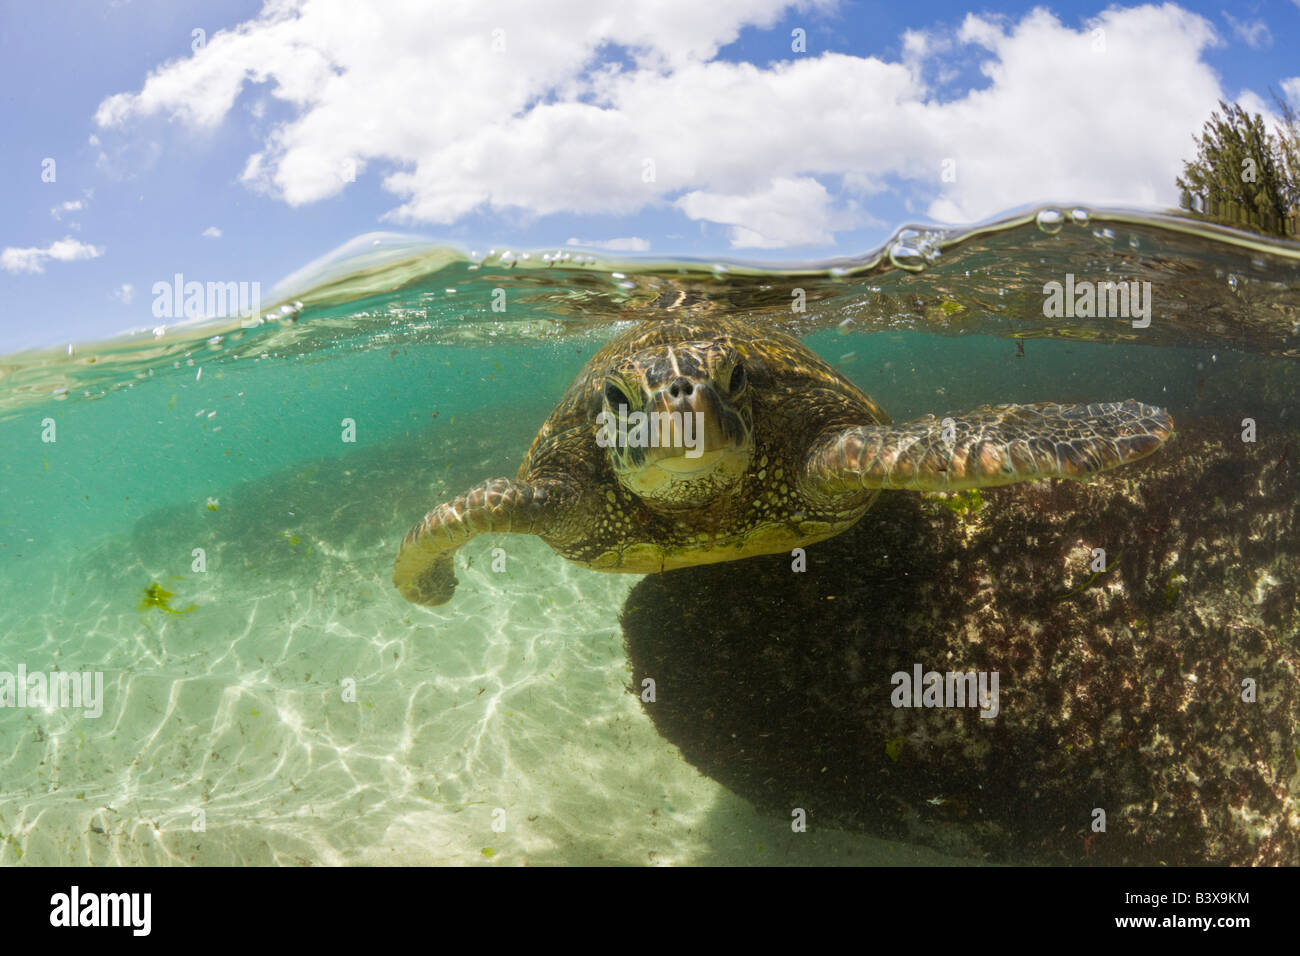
(676, 422)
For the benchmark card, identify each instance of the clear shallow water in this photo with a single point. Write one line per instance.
(226, 436)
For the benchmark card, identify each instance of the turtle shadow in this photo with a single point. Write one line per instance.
(769, 680)
(780, 683)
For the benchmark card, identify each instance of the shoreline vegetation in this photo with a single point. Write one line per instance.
(1244, 175)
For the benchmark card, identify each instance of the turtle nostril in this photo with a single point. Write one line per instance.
(681, 386)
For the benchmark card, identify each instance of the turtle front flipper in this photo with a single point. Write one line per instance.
(424, 573)
(992, 445)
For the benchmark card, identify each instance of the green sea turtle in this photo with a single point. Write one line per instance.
(758, 446)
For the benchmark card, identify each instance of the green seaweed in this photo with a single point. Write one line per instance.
(964, 502)
(1171, 590)
(155, 595)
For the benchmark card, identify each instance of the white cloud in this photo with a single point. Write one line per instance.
(212, 232)
(628, 244)
(1291, 88)
(72, 205)
(982, 31)
(1254, 33)
(785, 212)
(556, 123)
(32, 259)
(124, 293)
(1067, 117)
(1252, 102)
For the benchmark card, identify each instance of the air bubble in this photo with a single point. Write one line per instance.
(906, 257)
(913, 250)
(1050, 221)
(1080, 216)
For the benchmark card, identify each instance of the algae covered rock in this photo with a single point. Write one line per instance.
(1156, 691)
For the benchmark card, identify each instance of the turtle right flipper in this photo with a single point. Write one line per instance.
(991, 445)
(424, 572)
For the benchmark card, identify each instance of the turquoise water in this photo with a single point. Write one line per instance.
(285, 705)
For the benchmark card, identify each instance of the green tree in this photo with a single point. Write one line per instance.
(1288, 141)
(1239, 175)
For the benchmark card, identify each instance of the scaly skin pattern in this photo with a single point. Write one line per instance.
(993, 445)
(795, 395)
(424, 572)
(822, 452)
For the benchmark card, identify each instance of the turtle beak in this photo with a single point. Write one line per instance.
(695, 426)
(684, 444)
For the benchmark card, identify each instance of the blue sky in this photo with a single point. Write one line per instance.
(667, 127)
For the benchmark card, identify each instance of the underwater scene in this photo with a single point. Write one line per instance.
(845, 631)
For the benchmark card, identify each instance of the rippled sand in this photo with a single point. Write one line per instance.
(509, 705)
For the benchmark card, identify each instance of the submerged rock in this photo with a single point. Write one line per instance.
(1125, 690)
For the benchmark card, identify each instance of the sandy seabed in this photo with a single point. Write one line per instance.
(497, 729)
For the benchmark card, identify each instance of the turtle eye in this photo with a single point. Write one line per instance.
(615, 396)
(737, 378)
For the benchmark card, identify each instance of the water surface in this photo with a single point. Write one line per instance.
(209, 459)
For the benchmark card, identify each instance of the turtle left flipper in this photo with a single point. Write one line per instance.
(424, 572)
(988, 446)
